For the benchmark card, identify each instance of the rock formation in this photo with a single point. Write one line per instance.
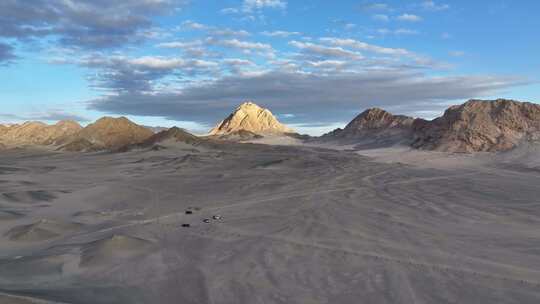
(376, 126)
(252, 118)
(479, 126)
(475, 126)
(375, 121)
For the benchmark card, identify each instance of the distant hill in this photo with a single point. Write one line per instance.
(251, 118)
(169, 136)
(37, 133)
(173, 134)
(106, 133)
(375, 125)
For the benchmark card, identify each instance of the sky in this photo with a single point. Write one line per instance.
(315, 64)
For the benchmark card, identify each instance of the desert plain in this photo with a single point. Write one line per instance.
(294, 224)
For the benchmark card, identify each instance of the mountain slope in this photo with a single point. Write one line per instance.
(252, 118)
(107, 134)
(376, 126)
(169, 136)
(480, 126)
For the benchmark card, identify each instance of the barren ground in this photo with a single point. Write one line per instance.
(300, 225)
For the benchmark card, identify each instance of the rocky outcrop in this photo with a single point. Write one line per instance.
(479, 126)
(107, 133)
(252, 118)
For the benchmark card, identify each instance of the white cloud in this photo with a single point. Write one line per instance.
(245, 45)
(327, 64)
(212, 30)
(157, 62)
(180, 44)
(381, 17)
(349, 26)
(229, 32)
(456, 53)
(251, 5)
(154, 62)
(238, 62)
(377, 7)
(359, 45)
(431, 5)
(310, 49)
(194, 25)
(230, 10)
(409, 17)
(281, 34)
(404, 31)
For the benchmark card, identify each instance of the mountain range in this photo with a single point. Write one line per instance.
(475, 126)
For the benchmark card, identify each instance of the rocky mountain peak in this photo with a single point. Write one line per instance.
(253, 118)
(375, 124)
(375, 118)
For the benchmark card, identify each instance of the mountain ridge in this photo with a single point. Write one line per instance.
(479, 126)
(474, 126)
(37, 133)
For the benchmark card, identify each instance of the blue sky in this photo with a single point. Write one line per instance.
(315, 64)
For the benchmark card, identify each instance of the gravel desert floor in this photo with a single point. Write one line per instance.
(243, 223)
